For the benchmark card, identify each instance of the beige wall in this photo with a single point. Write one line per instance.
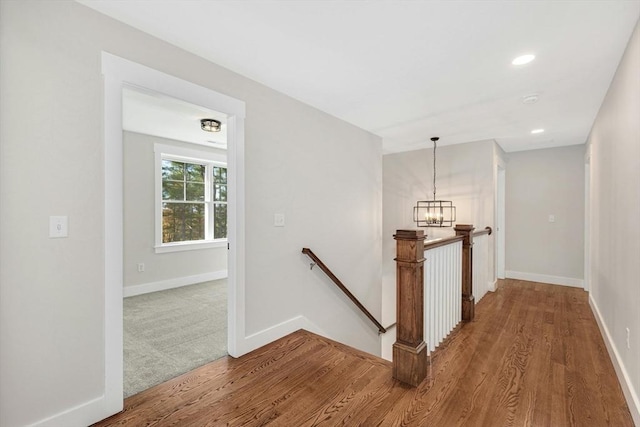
(540, 183)
(139, 220)
(614, 147)
(323, 174)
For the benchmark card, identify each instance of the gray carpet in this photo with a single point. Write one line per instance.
(171, 332)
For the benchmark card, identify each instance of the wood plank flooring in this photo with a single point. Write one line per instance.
(533, 357)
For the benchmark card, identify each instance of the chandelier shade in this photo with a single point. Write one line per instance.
(434, 213)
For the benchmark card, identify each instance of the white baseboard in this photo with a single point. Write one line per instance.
(630, 393)
(177, 282)
(543, 278)
(493, 285)
(273, 333)
(80, 415)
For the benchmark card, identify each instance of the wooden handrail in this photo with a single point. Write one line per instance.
(344, 289)
(431, 244)
(487, 230)
(442, 242)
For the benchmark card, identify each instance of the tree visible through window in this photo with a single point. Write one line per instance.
(220, 202)
(194, 201)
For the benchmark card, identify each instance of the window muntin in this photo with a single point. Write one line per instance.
(191, 198)
(184, 201)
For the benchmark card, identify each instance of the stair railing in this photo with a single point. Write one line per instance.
(339, 284)
(410, 350)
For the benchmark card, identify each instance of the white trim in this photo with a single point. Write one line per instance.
(138, 75)
(181, 153)
(386, 343)
(190, 246)
(587, 219)
(280, 330)
(235, 236)
(117, 73)
(80, 415)
(629, 392)
(500, 232)
(177, 282)
(113, 248)
(491, 287)
(197, 156)
(543, 278)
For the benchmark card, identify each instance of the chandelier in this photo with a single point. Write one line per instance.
(434, 213)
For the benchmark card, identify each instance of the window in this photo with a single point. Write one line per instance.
(191, 199)
(220, 202)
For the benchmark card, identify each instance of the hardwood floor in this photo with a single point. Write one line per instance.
(533, 357)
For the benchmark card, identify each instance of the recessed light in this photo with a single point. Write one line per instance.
(537, 131)
(523, 59)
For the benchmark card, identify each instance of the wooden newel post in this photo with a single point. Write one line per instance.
(468, 300)
(410, 350)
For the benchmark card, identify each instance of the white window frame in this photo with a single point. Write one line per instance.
(180, 154)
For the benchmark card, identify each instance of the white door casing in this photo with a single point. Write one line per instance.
(117, 73)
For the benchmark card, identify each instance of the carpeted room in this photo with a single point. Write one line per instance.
(168, 333)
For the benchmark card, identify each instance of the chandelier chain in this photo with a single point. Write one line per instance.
(434, 170)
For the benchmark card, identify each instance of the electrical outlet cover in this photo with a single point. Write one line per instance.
(58, 226)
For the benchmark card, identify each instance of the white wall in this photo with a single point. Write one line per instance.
(140, 223)
(540, 183)
(465, 175)
(614, 147)
(323, 174)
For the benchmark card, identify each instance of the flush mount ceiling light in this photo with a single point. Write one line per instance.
(210, 125)
(530, 99)
(537, 131)
(523, 59)
(434, 213)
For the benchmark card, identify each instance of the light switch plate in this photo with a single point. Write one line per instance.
(278, 220)
(58, 226)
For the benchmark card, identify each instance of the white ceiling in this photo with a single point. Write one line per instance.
(409, 70)
(156, 114)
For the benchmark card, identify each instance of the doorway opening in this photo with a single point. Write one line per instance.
(175, 238)
(119, 73)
